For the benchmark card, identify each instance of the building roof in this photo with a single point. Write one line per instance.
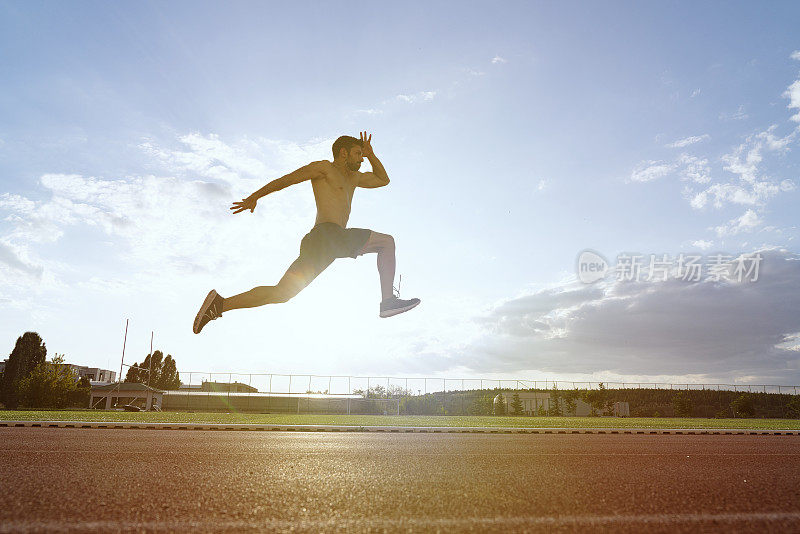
(126, 386)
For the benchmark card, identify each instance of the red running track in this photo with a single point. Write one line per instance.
(82, 480)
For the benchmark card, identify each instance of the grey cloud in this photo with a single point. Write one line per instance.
(723, 331)
(213, 190)
(11, 259)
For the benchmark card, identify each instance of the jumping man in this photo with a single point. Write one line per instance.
(334, 184)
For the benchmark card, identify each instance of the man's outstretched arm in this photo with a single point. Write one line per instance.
(308, 172)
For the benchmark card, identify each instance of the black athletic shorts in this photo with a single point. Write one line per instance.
(323, 244)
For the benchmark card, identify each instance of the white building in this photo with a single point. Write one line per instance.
(95, 374)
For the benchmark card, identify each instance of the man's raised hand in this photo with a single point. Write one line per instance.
(366, 146)
(246, 204)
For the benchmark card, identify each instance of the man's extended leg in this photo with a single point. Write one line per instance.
(298, 276)
(383, 244)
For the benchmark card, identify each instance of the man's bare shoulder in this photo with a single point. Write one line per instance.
(322, 167)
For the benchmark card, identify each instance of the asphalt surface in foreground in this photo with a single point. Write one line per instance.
(234, 481)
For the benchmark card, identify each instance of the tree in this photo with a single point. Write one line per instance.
(516, 405)
(570, 400)
(49, 385)
(555, 402)
(29, 352)
(682, 404)
(482, 404)
(793, 407)
(499, 404)
(743, 405)
(155, 371)
(597, 398)
(82, 393)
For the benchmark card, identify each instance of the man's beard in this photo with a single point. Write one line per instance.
(354, 166)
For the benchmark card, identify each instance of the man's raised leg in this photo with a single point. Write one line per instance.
(383, 244)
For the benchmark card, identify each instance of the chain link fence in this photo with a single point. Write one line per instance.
(305, 393)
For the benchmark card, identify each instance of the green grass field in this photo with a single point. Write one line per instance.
(397, 420)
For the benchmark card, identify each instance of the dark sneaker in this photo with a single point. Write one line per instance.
(395, 305)
(210, 310)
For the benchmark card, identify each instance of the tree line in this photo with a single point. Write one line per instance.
(643, 402)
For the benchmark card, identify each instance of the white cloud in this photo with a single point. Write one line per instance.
(695, 169)
(744, 161)
(542, 185)
(756, 194)
(745, 223)
(422, 96)
(680, 143)
(497, 59)
(370, 111)
(751, 186)
(795, 55)
(702, 244)
(695, 93)
(647, 171)
(793, 94)
(718, 331)
(162, 227)
(738, 115)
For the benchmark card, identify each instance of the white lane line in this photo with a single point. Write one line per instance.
(387, 523)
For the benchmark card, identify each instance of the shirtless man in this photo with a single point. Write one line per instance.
(334, 184)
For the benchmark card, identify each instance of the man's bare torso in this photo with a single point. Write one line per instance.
(333, 194)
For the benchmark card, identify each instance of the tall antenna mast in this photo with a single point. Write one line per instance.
(150, 369)
(124, 342)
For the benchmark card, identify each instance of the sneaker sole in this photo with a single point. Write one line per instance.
(203, 309)
(396, 311)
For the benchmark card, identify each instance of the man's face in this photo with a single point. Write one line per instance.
(355, 158)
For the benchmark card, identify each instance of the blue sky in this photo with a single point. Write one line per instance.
(515, 137)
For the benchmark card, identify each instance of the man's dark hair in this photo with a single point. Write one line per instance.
(347, 142)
